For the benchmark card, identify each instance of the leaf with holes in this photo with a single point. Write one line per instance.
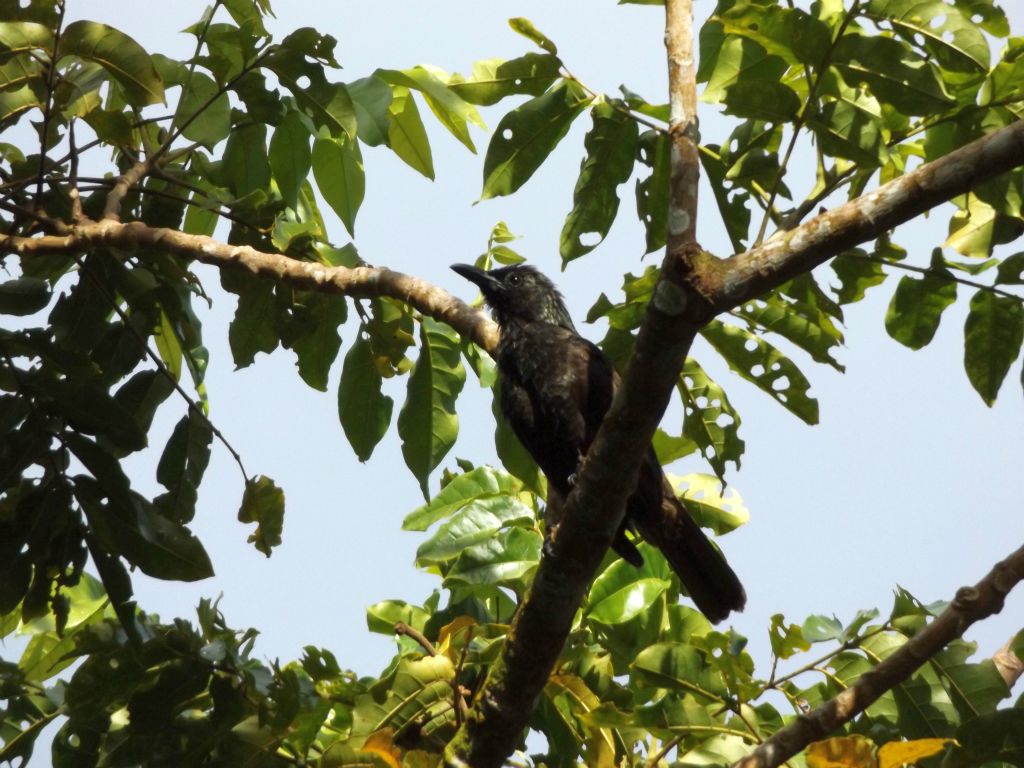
(610, 147)
(711, 508)
(526, 136)
(494, 79)
(711, 421)
(763, 365)
(808, 327)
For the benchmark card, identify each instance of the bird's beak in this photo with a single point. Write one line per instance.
(482, 279)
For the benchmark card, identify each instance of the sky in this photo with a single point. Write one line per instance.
(908, 480)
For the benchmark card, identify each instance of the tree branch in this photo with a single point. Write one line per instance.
(971, 604)
(748, 275)
(356, 281)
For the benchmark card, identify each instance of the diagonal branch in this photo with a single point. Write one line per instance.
(971, 604)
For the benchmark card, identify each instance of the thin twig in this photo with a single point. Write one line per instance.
(401, 628)
(51, 84)
(801, 118)
(932, 273)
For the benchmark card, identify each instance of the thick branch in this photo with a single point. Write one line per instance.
(751, 274)
(357, 281)
(682, 78)
(971, 604)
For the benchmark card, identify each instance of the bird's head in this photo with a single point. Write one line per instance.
(518, 293)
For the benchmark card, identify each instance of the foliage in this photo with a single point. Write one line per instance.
(261, 132)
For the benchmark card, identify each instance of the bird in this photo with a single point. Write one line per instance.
(556, 387)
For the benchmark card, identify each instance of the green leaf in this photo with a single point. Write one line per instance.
(631, 600)
(182, 466)
(338, 169)
(21, 36)
(125, 60)
(808, 327)
(818, 629)
(856, 276)
(526, 28)
(895, 74)
(995, 738)
(312, 332)
(1011, 270)
(506, 560)
(364, 411)
(290, 156)
(767, 100)
(762, 364)
(246, 166)
(476, 522)
(406, 135)
(679, 667)
(703, 498)
(946, 32)
(263, 504)
(204, 111)
(789, 33)
(992, 339)
(24, 296)
(786, 640)
(916, 309)
(481, 482)
(382, 617)
(610, 146)
(252, 329)
(454, 113)
(710, 421)
(652, 191)
(427, 423)
(495, 79)
(371, 98)
(526, 136)
(976, 688)
(91, 410)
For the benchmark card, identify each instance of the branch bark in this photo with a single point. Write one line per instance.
(971, 604)
(356, 281)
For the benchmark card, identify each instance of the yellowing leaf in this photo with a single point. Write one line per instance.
(841, 752)
(381, 745)
(897, 753)
(450, 632)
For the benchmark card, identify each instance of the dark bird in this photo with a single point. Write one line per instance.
(556, 387)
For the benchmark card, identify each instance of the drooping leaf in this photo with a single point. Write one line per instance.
(263, 504)
(526, 136)
(476, 522)
(338, 169)
(125, 60)
(427, 423)
(182, 467)
(454, 113)
(290, 156)
(992, 339)
(204, 112)
(246, 166)
(710, 420)
(652, 191)
(916, 308)
(365, 412)
(406, 135)
(610, 147)
(24, 296)
(371, 98)
(760, 363)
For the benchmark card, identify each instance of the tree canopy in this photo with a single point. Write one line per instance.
(132, 182)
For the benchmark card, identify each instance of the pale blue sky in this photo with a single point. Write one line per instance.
(909, 479)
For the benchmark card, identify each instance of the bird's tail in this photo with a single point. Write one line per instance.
(712, 584)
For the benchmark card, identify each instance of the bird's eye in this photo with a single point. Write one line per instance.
(514, 279)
